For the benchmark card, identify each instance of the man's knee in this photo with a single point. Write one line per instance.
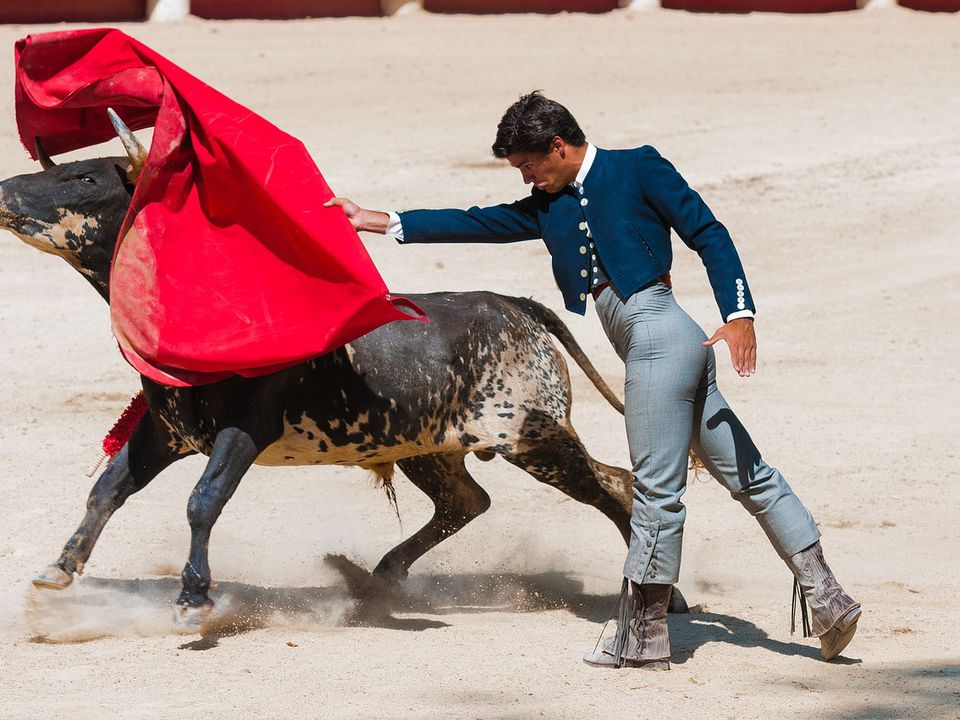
(761, 489)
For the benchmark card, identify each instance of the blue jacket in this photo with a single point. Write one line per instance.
(630, 200)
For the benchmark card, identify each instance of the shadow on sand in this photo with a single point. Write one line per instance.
(912, 690)
(98, 607)
(95, 608)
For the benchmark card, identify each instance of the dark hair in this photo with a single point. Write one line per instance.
(531, 123)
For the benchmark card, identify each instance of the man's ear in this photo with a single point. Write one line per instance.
(560, 146)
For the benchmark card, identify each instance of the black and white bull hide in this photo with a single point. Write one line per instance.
(483, 377)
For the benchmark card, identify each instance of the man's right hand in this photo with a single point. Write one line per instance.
(361, 219)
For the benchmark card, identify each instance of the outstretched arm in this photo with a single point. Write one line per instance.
(504, 223)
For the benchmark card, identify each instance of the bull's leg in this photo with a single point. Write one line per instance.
(553, 454)
(232, 455)
(148, 451)
(457, 499)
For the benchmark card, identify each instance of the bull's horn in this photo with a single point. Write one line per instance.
(136, 151)
(45, 162)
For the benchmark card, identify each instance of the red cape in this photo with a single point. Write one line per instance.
(227, 262)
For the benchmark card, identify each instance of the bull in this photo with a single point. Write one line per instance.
(483, 377)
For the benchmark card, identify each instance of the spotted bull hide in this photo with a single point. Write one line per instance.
(484, 377)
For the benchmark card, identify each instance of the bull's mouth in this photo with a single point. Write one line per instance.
(31, 233)
(20, 225)
(10, 221)
(34, 233)
(25, 228)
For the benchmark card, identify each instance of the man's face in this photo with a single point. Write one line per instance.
(550, 172)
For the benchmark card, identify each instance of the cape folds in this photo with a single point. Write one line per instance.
(227, 262)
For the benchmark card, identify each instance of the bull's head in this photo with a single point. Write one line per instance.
(75, 210)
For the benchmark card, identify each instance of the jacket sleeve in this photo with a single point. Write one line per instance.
(504, 223)
(684, 210)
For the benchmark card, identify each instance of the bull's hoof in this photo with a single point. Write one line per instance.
(678, 603)
(192, 617)
(53, 577)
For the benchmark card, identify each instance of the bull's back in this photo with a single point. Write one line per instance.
(469, 379)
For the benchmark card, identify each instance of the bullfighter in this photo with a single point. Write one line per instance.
(606, 216)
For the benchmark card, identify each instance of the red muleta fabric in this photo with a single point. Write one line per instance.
(227, 261)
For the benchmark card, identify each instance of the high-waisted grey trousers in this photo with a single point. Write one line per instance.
(672, 406)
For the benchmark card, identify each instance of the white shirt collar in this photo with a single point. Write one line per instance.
(585, 165)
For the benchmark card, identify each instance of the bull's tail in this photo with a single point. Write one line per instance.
(558, 329)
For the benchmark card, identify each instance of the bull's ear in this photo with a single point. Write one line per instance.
(45, 162)
(136, 151)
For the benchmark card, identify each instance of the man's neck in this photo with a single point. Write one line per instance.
(575, 156)
(587, 154)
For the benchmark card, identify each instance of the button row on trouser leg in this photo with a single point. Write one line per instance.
(654, 553)
(641, 553)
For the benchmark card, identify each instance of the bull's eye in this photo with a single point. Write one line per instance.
(87, 179)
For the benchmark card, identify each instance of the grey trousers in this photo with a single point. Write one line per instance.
(672, 406)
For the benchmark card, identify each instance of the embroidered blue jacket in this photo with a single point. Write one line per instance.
(630, 200)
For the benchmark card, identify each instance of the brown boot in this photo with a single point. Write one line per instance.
(642, 638)
(833, 613)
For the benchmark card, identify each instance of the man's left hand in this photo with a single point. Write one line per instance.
(742, 343)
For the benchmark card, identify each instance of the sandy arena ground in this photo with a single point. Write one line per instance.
(830, 145)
